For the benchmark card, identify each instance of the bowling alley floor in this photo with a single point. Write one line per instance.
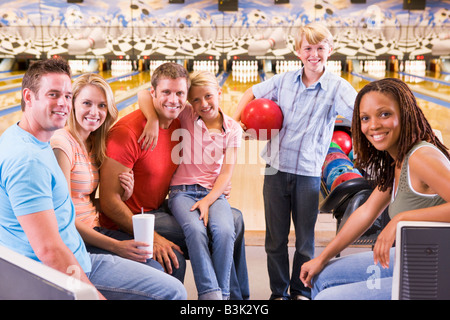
(257, 262)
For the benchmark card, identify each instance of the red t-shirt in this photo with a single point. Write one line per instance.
(152, 170)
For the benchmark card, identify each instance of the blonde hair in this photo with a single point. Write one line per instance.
(204, 79)
(98, 137)
(314, 33)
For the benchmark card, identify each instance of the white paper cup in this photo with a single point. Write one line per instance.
(143, 229)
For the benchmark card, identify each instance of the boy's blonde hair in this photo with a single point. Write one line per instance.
(314, 33)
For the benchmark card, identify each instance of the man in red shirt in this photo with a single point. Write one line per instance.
(153, 170)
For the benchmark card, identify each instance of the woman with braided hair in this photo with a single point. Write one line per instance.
(410, 166)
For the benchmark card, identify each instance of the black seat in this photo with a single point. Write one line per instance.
(370, 236)
(337, 200)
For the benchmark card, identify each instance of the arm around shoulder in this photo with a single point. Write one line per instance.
(149, 136)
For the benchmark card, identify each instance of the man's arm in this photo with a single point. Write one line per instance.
(111, 192)
(41, 229)
(113, 206)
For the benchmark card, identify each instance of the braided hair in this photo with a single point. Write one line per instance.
(379, 165)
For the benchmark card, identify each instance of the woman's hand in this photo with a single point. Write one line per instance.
(384, 244)
(129, 249)
(309, 270)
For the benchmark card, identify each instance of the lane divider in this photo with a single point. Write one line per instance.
(15, 108)
(418, 94)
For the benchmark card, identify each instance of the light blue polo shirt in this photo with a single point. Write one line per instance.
(309, 115)
(32, 181)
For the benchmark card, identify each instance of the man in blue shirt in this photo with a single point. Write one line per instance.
(310, 99)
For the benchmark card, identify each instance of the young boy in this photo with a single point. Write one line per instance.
(310, 99)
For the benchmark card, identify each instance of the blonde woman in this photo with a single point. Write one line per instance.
(80, 151)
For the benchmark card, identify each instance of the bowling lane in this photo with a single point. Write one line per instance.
(440, 76)
(10, 83)
(249, 168)
(10, 97)
(232, 91)
(122, 86)
(10, 79)
(11, 74)
(434, 87)
(437, 115)
(432, 97)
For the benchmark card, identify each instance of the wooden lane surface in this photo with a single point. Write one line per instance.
(11, 79)
(248, 176)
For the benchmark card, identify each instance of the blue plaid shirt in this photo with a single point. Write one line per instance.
(309, 115)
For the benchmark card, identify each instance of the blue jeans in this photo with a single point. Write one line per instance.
(119, 235)
(124, 279)
(286, 193)
(354, 277)
(168, 227)
(211, 269)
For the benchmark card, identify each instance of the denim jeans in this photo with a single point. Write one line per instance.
(286, 193)
(168, 227)
(119, 235)
(123, 279)
(354, 277)
(211, 268)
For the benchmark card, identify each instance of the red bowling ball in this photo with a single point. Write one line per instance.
(345, 177)
(263, 118)
(331, 156)
(342, 139)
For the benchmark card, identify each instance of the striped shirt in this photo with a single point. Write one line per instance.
(84, 176)
(308, 119)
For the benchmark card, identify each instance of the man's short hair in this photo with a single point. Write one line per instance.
(170, 70)
(32, 78)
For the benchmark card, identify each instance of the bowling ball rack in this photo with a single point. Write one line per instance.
(337, 200)
(345, 198)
